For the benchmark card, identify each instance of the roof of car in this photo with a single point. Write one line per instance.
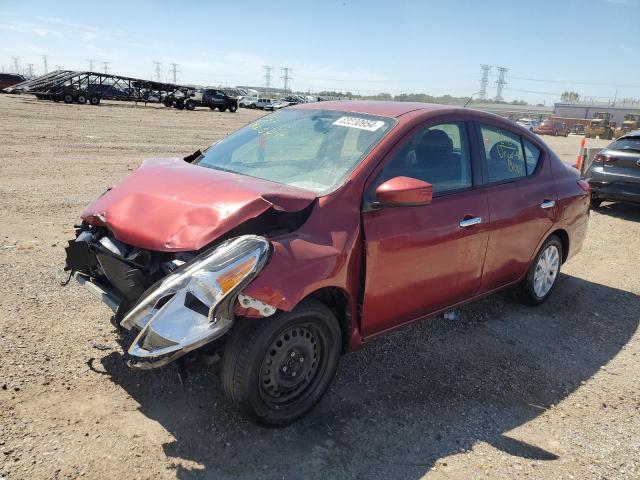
(632, 134)
(373, 107)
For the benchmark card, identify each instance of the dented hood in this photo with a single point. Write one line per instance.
(170, 205)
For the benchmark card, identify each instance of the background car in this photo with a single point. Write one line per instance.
(276, 105)
(527, 123)
(552, 127)
(248, 102)
(614, 173)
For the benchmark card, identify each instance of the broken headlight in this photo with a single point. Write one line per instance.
(193, 305)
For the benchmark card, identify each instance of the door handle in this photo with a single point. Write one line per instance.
(548, 204)
(470, 222)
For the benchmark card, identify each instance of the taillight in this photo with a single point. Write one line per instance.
(600, 158)
(584, 185)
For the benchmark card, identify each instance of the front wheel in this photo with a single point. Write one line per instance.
(276, 369)
(233, 108)
(541, 278)
(190, 105)
(222, 109)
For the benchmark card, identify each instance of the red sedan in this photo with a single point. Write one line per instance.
(552, 127)
(315, 229)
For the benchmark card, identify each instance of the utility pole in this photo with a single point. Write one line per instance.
(500, 83)
(484, 81)
(90, 64)
(174, 71)
(157, 64)
(267, 79)
(16, 66)
(30, 67)
(58, 67)
(286, 78)
(44, 60)
(106, 66)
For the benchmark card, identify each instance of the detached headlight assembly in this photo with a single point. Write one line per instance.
(194, 305)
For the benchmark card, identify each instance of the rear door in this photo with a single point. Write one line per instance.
(420, 259)
(522, 203)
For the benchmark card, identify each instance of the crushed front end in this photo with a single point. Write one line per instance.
(175, 301)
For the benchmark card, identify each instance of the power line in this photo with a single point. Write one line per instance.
(267, 78)
(174, 71)
(157, 64)
(567, 82)
(286, 78)
(484, 81)
(500, 83)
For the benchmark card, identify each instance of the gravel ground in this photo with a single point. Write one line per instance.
(507, 391)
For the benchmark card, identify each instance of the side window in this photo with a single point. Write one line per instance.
(532, 155)
(503, 151)
(437, 154)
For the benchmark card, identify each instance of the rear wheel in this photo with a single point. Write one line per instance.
(68, 98)
(233, 108)
(541, 278)
(222, 109)
(82, 99)
(190, 105)
(167, 102)
(276, 369)
(94, 100)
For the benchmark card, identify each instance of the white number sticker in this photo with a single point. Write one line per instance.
(360, 123)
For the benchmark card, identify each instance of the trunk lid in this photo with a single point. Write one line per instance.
(169, 205)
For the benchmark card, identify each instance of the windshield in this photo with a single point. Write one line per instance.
(310, 149)
(631, 143)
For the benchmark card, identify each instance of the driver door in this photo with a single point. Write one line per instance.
(421, 259)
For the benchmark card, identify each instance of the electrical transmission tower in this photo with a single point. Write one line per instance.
(267, 78)
(46, 67)
(90, 64)
(30, 67)
(484, 81)
(286, 78)
(106, 66)
(16, 65)
(174, 72)
(157, 64)
(500, 83)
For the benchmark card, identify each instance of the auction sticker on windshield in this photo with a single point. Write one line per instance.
(360, 123)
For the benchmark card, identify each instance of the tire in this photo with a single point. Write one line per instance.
(233, 108)
(595, 202)
(190, 105)
(94, 100)
(68, 98)
(167, 102)
(261, 360)
(536, 295)
(252, 106)
(213, 109)
(179, 105)
(82, 99)
(222, 109)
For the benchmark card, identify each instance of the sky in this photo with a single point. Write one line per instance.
(366, 47)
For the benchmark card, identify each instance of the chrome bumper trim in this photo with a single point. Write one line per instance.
(107, 297)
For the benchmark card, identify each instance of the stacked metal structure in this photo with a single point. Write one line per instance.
(81, 87)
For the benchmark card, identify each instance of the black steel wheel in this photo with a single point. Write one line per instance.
(190, 105)
(233, 108)
(68, 98)
(276, 369)
(222, 109)
(82, 99)
(94, 100)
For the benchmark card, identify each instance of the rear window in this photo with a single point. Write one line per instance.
(630, 144)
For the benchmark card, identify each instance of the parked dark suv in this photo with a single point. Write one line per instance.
(202, 97)
(614, 173)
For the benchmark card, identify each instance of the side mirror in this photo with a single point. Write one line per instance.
(404, 191)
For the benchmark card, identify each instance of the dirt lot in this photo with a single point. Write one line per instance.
(508, 391)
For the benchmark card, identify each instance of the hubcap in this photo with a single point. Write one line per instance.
(546, 271)
(290, 366)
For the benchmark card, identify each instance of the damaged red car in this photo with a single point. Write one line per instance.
(313, 230)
